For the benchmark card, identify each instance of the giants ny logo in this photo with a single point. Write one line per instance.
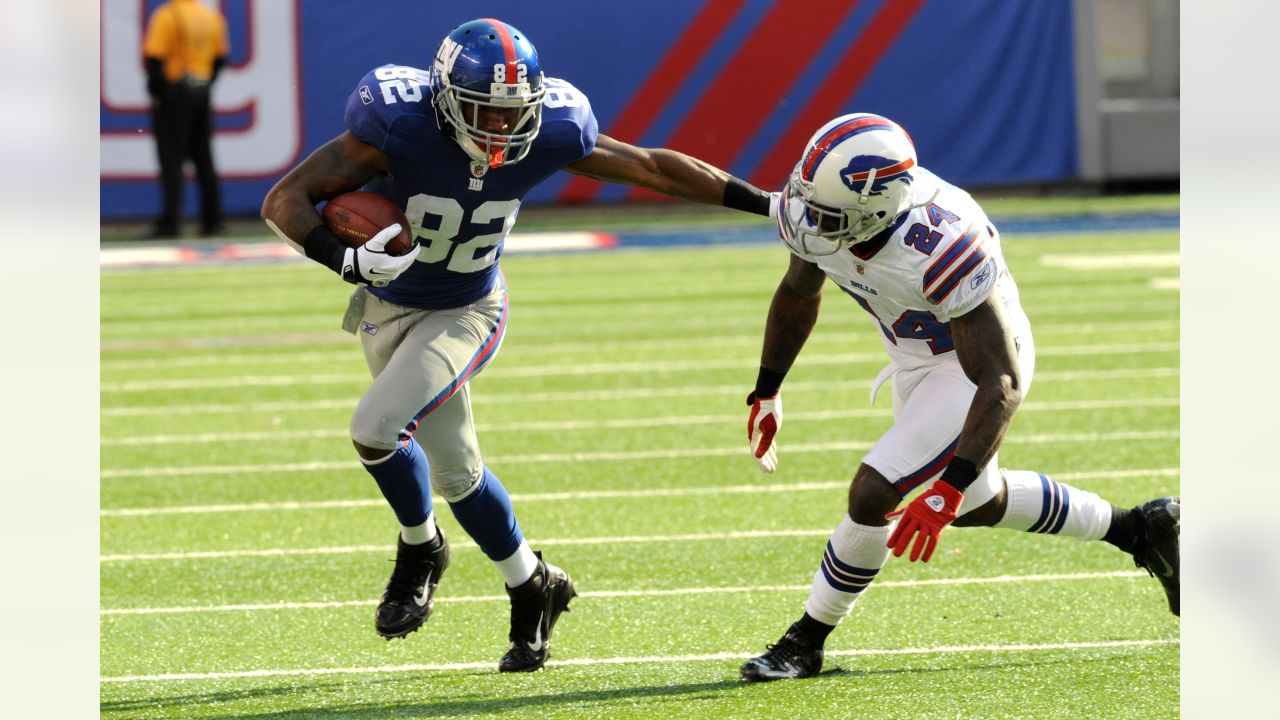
(256, 97)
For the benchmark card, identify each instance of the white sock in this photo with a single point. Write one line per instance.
(519, 566)
(854, 554)
(418, 534)
(1042, 505)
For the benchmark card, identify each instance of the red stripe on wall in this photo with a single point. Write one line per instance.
(849, 73)
(750, 85)
(662, 83)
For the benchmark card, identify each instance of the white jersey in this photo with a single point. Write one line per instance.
(940, 261)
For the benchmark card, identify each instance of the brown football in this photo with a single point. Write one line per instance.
(357, 216)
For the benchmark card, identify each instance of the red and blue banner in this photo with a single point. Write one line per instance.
(984, 87)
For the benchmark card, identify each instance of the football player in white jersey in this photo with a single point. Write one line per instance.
(921, 257)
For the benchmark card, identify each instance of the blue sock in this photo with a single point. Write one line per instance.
(405, 481)
(487, 517)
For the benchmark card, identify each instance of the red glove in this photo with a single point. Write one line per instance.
(925, 516)
(762, 426)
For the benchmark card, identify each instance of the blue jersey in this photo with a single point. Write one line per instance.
(459, 211)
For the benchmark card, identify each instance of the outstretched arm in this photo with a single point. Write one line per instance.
(669, 172)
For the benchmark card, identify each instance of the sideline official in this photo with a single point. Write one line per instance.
(185, 46)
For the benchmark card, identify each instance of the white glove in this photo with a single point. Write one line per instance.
(762, 426)
(370, 264)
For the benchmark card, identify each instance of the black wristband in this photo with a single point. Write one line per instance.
(325, 248)
(739, 195)
(960, 473)
(768, 382)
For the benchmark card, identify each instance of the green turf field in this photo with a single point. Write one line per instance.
(243, 547)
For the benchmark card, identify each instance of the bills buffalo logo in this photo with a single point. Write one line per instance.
(854, 174)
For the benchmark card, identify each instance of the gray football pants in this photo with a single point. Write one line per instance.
(421, 361)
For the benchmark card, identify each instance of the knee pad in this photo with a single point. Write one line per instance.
(454, 484)
(374, 432)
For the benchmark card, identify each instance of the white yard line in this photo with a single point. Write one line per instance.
(574, 457)
(348, 352)
(467, 544)
(612, 424)
(569, 370)
(646, 660)
(579, 495)
(673, 592)
(573, 396)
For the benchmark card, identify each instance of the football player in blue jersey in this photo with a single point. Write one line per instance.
(457, 147)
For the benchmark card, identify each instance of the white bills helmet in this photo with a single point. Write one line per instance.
(855, 178)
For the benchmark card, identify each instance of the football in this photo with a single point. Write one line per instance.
(357, 216)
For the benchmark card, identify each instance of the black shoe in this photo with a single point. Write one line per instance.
(1157, 553)
(214, 230)
(410, 595)
(535, 607)
(794, 656)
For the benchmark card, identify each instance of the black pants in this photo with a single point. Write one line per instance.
(183, 127)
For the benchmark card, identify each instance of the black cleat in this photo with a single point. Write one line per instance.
(794, 656)
(535, 607)
(410, 595)
(1158, 551)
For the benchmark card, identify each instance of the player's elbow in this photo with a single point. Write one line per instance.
(1008, 387)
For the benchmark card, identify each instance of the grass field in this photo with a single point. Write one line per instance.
(243, 548)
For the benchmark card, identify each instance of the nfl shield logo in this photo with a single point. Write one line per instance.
(862, 270)
(478, 169)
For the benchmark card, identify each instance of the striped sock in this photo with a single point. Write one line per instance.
(855, 553)
(1042, 505)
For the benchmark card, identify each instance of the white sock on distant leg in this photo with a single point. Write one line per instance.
(418, 534)
(854, 554)
(518, 568)
(1040, 504)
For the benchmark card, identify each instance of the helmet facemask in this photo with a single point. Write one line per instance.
(488, 89)
(817, 228)
(466, 109)
(855, 179)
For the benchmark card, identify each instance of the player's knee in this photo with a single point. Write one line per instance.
(455, 483)
(372, 440)
(371, 454)
(871, 496)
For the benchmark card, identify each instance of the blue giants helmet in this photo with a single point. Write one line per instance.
(855, 178)
(488, 86)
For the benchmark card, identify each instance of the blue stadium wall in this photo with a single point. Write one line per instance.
(985, 87)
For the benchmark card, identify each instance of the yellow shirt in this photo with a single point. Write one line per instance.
(187, 36)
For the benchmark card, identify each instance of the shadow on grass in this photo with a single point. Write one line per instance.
(519, 699)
